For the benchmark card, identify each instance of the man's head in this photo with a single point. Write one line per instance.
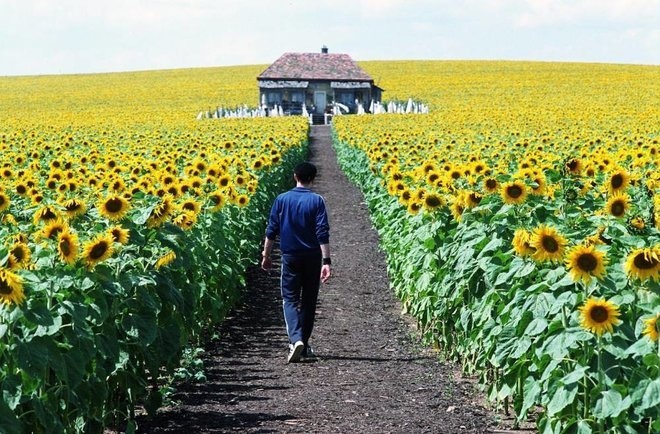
(305, 172)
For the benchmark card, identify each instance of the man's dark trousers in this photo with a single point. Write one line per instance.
(300, 280)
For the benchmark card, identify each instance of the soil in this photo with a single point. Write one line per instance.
(371, 374)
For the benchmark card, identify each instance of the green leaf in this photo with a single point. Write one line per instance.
(642, 347)
(575, 375)
(536, 327)
(583, 427)
(32, 356)
(651, 397)
(8, 421)
(563, 397)
(531, 393)
(611, 404)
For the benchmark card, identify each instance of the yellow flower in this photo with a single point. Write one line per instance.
(4, 201)
(491, 185)
(97, 250)
(644, 263)
(585, 262)
(67, 247)
(19, 256)
(514, 192)
(45, 214)
(53, 228)
(161, 212)
(599, 316)
(617, 205)
(74, 208)
(549, 244)
(432, 201)
(114, 207)
(618, 181)
(217, 199)
(119, 234)
(651, 327)
(166, 259)
(11, 288)
(521, 243)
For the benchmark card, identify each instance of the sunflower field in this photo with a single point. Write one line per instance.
(521, 223)
(127, 227)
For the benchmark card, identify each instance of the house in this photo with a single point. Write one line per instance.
(317, 80)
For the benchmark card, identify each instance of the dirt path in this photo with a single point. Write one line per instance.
(370, 376)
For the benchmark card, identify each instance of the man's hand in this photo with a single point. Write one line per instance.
(266, 263)
(325, 273)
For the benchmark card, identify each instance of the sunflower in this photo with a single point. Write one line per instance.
(599, 316)
(414, 206)
(491, 185)
(217, 199)
(585, 262)
(521, 243)
(114, 207)
(405, 196)
(119, 234)
(652, 327)
(185, 220)
(242, 200)
(67, 247)
(574, 166)
(97, 250)
(166, 259)
(514, 192)
(161, 212)
(432, 201)
(617, 205)
(191, 205)
(618, 181)
(53, 228)
(644, 263)
(45, 214)
(19, 256)
(457, 209)
(638, 223)
(4, 201)
(549, 244)
(74, 208)
(472, 199)
(11, 287)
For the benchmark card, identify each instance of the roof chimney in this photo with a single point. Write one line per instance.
(324, 49)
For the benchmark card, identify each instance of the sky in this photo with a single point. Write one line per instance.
(83, 36)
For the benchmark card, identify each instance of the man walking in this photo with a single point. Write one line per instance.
(300, 219)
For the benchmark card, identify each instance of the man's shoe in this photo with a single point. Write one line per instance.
(295, 351)
(308, 353)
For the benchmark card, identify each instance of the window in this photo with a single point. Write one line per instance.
(346, 98)
(297, 96)
(274, 98)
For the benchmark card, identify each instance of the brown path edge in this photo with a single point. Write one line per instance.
(370, 377)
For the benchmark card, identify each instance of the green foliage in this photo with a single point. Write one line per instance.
(514, 322)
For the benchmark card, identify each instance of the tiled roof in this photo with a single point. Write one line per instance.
(314, 66)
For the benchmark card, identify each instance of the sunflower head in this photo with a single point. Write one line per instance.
(599, 316)
(217, 199)
(4, 201)
(549, 244)
(97, 250)
(514, 192)
(521, 243)
(618, 205)
(67, 247)
(585, 262)
(45, 214)
(432, 201)
(11, 288)
(74, 208)
(114, 207)
(19, 256)
(119, 235)
(490, 185)
(644, 264)
(53, 228)
(652, 327)
(618, 181)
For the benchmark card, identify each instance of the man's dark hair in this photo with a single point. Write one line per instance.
(305, 172)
